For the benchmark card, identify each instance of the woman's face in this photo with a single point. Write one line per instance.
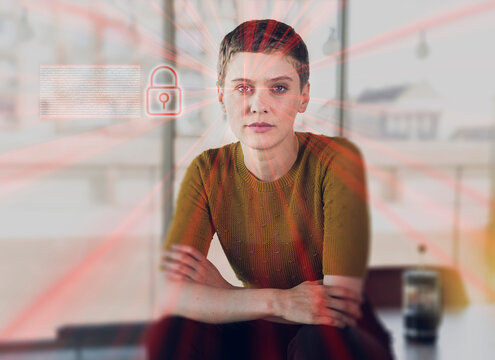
(262, 97)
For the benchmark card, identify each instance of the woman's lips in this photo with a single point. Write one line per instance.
(260, 124)
(260, 127)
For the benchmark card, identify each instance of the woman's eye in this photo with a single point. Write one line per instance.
(279, 89)
(243, 89)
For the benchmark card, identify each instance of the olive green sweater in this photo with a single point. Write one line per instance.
(310, 222)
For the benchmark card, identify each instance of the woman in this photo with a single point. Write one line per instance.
(290, 210)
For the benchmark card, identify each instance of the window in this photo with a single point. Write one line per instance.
(435, 150)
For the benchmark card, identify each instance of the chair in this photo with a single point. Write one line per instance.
(383, 286)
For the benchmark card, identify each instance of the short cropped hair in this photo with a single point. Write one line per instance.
(264, 36)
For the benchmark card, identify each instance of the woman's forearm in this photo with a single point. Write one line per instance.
(217, 305)
(280, 320)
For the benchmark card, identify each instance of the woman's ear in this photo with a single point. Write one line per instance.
(220, 91)
(304, 98)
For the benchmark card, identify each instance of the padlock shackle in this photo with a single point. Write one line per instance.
(161, 68)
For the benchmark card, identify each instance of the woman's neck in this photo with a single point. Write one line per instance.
(271, 164)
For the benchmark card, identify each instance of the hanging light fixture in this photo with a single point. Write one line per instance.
(332, 45)
(422, 50)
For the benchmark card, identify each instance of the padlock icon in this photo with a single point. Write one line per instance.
(163, 100)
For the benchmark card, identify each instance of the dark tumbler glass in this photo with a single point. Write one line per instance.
(422, 305)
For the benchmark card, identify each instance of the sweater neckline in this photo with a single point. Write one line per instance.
(283, 181)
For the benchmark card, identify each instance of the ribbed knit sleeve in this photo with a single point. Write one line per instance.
(345, 209)
(192, 223)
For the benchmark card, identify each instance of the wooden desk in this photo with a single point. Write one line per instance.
(463, 334)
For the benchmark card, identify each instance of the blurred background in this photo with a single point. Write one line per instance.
(86, 195)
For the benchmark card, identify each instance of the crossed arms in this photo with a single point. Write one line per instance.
(196, 289)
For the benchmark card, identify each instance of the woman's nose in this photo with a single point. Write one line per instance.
(258, 103)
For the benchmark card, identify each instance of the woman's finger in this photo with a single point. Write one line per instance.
(346, 306)
(179, 268)
(342, 317)
(190, 250)
(179, 257)
(342, 292)
(338, 316)
(330, 321)
(173, 275)
(201, 268)
(327, 308)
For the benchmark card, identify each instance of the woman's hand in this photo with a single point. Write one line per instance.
(311, 302)
(183, 262)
